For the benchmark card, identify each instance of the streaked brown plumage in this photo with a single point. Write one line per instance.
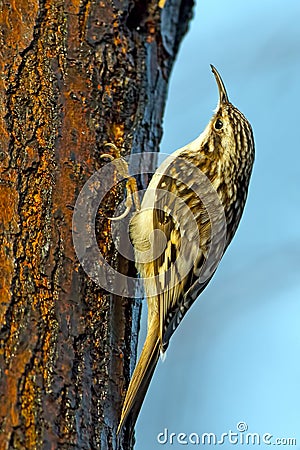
(198, 227)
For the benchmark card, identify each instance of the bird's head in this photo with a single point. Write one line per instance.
(229, 135)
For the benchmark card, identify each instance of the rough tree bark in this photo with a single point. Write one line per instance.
(74, 75)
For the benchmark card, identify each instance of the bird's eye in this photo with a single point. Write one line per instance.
(218, 124)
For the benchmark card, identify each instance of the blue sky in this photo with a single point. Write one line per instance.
(235, 357)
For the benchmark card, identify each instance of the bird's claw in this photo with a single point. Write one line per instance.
(121, 166)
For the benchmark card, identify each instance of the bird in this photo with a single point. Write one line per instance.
(188, 217)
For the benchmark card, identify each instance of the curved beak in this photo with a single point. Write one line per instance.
(223, 97)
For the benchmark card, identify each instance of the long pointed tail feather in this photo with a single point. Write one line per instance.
(140, 380)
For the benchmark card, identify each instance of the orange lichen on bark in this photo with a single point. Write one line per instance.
(29, 411)
(118, 133)
(9, 226)
(17, 22)
(9, 411)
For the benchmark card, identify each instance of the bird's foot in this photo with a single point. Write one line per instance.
(121, 166)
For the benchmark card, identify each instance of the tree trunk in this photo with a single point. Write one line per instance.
(74, 75)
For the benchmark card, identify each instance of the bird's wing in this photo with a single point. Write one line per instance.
(176, 267)
(179, 237)
(179, 230)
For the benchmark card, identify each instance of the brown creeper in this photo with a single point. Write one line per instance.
(189, 214)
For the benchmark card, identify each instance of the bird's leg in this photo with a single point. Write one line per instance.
(121, 166)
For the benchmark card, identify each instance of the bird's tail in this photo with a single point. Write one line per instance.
(140, 380)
